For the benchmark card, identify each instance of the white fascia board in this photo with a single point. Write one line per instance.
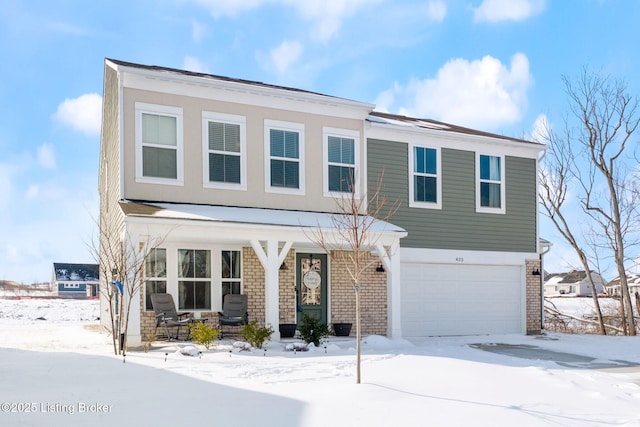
(453, 140)
(242, 93)
(464, 257)
(242, 233)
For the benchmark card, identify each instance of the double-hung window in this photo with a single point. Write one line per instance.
(224, 151)
(194, 279)
(159, 147)
(231, 279)
(155, 273)
(340, 159)
(284, 148)
(490, 190)
(425, 182)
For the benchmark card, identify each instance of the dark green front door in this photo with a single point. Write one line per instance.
(311, 285)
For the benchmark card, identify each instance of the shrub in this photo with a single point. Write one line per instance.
(313, 330)
(203, 334)
(256, 335)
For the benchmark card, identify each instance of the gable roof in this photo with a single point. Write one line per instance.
(179, 72)
(373, 116)
(573, 276)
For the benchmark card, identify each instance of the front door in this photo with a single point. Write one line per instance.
(311, 285)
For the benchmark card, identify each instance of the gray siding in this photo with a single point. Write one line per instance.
(457, 225)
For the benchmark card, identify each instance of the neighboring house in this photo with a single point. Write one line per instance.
(235, 176)
(75, 280)
(574, 283)
(633, 282)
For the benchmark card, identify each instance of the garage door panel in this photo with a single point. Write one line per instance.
(460, 300)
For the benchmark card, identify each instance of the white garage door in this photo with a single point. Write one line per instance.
(460, 299)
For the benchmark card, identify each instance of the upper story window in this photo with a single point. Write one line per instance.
(159, 144)
(284, 148)
(490, 189)
(224, 156)
(341, 154)
(425, 182)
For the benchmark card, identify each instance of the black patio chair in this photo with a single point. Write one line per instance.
(234, 312)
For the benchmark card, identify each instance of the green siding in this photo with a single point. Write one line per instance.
(457, 225)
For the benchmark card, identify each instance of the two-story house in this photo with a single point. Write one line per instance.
(236, 177)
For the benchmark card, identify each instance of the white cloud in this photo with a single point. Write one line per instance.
(507, 10)
(46, 156)
(32, 192)
(541, 128)
(193, 64)
(198, 31)
(437, 10)
(83, 113)
(326, 15)
(483, 93)
(220, 8)
(286, 54)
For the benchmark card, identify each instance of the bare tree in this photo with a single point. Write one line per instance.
(355, 235)
(554, 181)
(121, 261)
(595, 152)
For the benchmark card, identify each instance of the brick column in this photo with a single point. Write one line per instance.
(533, 297)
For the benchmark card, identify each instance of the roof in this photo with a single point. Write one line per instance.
(573, 276)
(373, 117)
(632, 280)
(411, 122)
(76, 272)
(243, 215)
(217, 77)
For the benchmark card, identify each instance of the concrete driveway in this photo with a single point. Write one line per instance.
(567, 360)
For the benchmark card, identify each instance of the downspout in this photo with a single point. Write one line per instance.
(542, 254)
(548, 248)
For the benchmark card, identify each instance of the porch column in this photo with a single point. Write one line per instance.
(134, 338)
(390, 257)
(271, 260)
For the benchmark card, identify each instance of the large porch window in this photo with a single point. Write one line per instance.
(194, 279)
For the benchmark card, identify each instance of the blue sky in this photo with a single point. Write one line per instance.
(495, 65)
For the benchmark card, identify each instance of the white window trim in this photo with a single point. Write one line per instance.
(503, 201)
(208, 116)
(425, 205)
(340, 133)
(165, 110)
(287, 126)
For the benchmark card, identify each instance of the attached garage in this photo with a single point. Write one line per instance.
(453, 299)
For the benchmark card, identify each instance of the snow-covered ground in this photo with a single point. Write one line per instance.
(62, 371)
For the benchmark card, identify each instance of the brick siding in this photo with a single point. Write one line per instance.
(533, 301)
(373, 296)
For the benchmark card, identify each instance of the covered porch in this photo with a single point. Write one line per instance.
(269, 255)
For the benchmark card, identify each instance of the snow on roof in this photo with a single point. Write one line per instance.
(260, 216)
(411, 122)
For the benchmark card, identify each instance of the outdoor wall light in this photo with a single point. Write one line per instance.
(380, 268)
(535, 272)
(283, 266)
